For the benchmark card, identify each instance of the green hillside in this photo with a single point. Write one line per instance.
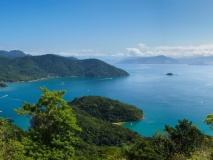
(36, 67)
(108, 109)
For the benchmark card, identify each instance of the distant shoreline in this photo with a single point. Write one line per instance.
(39, 79)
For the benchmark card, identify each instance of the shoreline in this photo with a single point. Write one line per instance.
(121, 123)
(34, 80)
(39, 79)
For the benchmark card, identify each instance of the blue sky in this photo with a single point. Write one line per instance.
(107, 27)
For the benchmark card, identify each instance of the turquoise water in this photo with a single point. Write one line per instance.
(164, 99)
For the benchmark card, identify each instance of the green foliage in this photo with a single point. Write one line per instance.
(180, 143)
(85, 151)
(12, 150)
(35, 67)
(144, 150)
(102, 133)
(108, 109)
(209, 120)
(98, 68)
(185, 137)
(10, 145)
(100, 139)
(163, 145)
(9, 131)
(53, 126)
(205, 151)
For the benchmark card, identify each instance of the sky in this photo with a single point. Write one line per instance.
(116, 28)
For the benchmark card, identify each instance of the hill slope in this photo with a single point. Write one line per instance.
(98, 133)
(36, 67)
(108, 109)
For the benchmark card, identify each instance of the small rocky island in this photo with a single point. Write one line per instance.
(2, 84)
(169, 74)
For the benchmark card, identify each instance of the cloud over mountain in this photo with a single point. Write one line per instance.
(173, 51)
(141, 50)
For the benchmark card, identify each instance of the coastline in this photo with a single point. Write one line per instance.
(33, 80)
(121, 123)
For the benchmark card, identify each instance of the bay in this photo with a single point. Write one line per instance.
(163, 99)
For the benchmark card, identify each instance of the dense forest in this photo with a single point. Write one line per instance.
(25, 68)
(61, 130)
(108, 109)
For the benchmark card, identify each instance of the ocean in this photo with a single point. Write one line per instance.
(163, 99)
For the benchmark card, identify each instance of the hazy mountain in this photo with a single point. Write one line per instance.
(208, 60)
(151, 60)
(36, 67)
(13, 53)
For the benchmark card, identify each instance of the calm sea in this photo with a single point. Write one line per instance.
(164, 99)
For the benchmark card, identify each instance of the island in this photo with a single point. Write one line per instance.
(169, 74)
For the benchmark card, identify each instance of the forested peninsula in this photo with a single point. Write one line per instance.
(107, 109)
(26, 68)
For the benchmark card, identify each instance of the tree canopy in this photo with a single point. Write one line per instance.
(53, 126)
(209, 120)
(108, 109)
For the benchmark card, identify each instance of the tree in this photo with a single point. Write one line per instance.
(53, 127)
(143, 150)
(209, 120)
(185, 137)
(10, 145)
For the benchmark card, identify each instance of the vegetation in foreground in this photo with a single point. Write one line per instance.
(62, 131)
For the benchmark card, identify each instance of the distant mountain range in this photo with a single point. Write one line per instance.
(208, 60)
(25, 67)
(151, 60)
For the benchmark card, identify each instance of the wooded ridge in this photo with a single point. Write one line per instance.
(36, 67)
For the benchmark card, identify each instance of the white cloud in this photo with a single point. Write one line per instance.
(173, 51)
(85, 53)
(141, 50)
(134, 52)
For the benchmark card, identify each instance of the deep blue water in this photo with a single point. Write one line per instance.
(164, 99)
